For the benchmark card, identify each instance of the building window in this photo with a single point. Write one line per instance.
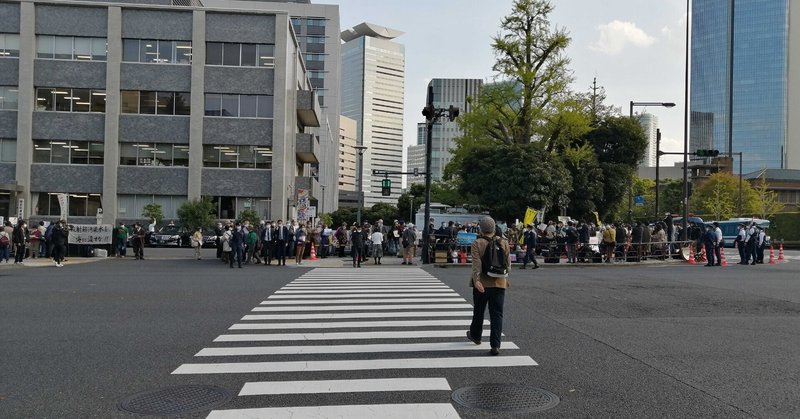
(315, 40)
(315, 22)
(154, 154)
(156, 51)
(228, 207)
(237, 157)
(8, 98)
(240, 55)
(70, 100)
(155, 103)
(9, 45)
(239, 106)
(67, 152)
(131, 206)
(315, 57)
(79, 205)
(8, 150)
(71, 48)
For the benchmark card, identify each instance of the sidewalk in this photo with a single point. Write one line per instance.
(45, 262)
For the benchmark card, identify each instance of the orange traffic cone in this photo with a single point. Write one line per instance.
(703, 255)
(723, 260)
(313, 252)
(772, 255)
(780, 253)
(462, 256)
(691, 256)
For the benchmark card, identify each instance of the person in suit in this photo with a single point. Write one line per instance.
(530, 238)
(281, 238)
(237, 245)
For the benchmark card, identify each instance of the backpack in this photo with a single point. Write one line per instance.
(493, 261)
(4, 242)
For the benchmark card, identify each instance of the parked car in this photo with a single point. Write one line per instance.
(209, 238)
(171, 235)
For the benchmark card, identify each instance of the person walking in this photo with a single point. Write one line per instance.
(139, 235)
(197, 242)
(300, 237)
(237, 245)
(409, 243)
(5, 244)
(486, 289)
(18, 238)
(122, 239)
(281, 237)
(357, 245)
(530, 238)
(59, 236)
(377, 245)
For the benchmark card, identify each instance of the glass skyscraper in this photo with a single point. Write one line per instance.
(740, 80)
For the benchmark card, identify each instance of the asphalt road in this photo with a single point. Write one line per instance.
(611, 341)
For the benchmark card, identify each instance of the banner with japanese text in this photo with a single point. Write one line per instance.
(90, 234)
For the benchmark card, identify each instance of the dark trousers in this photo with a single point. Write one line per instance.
(280, 254)
(530, 256)
(357, 255)
(710, 253)
(760, 254)
(138, 249)
(341, 250)
(718, 253)
(494, 297)
(267, 251)
(237, 254)
(19, 252)
(58, 252)
(742, 254)
(219, 249)
(750, 253)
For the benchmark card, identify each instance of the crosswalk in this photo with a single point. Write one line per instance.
(378, 330)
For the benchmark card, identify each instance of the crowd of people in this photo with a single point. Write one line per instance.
(37, 241)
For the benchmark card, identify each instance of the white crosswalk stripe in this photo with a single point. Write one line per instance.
(400, 320)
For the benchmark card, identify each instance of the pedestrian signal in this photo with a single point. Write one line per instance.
(706, 153)
(386, 187)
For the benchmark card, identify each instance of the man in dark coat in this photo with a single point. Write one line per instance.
(281, 238)
(530, 239)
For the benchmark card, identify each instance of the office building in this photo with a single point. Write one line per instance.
(649, 123)
(446, 93)
(347, 154)
(123, 104)
(373, 78)
(745, 80)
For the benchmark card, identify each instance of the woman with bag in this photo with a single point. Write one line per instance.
(197, 242)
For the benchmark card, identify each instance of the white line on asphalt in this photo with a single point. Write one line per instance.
(343, 386)
(280, 337)
(365, 307)
(356, 365)
(332, 316)
(350, 349)
(340, 325)
(364, 286)
(383, 411)
(376, 280)
(366, 300)
(361, 291)
(386, 294)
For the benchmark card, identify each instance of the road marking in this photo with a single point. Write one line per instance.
(332, 316)
(344, 325)
(367, 307)
(383, 411)
(362, 287)
(387, 295)
(414, 334)
(365, 281)
(343, 386)
(366, 301)
(356, 365)
(351, 349)
(364, 291)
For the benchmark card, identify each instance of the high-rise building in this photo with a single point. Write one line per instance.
(373, 78)
(122, 104)
(745, 80)
(649, 123)
(446, 93)
(347, 154)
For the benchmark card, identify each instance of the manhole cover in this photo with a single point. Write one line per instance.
(176, 400)
(506, 398)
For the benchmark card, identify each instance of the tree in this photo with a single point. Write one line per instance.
(767, 203)
(326, 219)
(381, 211)
(671, 196)
(509, 178)
(197, 213)
(344, 215)
(249, 215)
(153, 211)
(719, 195)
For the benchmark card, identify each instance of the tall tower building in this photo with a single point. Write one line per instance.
(347, 154)
(746, 80)
(373, 69)
(649, 123)
(446, 92)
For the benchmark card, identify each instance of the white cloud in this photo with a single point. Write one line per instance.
(616, 35)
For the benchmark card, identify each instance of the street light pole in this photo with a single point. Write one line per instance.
(360, 149)
(321, 208)
(684, 222)
(411, 209)
(658, 166)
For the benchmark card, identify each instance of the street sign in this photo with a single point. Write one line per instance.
(638, 200)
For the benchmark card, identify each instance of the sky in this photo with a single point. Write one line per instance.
(635, 49)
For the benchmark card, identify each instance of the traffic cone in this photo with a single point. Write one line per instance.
(462, 256)
(313, 252)
(703, 255)
(691, 260)
(780, 253)
(723, 260)
(772, 255)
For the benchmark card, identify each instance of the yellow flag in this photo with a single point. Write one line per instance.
(596, 217)
(530, 214)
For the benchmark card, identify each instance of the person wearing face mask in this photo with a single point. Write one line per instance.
(237, 245)
(59, 237)
(268, 243)
(281, 238)
(218, 239)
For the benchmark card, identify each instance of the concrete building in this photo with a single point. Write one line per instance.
(446, 92)
(745, 80)
(123, 104)
(347, 154)
(373, 80)
(649, 123)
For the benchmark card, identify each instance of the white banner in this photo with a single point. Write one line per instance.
(63, 202)
(90, 234)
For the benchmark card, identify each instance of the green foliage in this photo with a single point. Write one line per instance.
(153, 211)
(344, 215)
(719, 196)
(509, 178)
(249, 215)
(326, 219)
(767, 203)
(785, 226)
(671, 196)
(197, 213)
(381, 211)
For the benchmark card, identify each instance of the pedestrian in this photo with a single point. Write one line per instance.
(60, 234)
(5, 244)
(122, 239)
(227, 249)
(197, 242)
(357, 245)
(300, 238)
(341, 239)
(572, 238)
(752, 245)
(237, 245)
(530, 239)
(377, 245)
(18, 240)
(43, 241)
(409, 243)
(609, 242)
(486, 289)
(720, 243)
(139, 235)
(253, 247)
(740, 243)
(281, 238)
(761, 244)
(710, 242)
(268, 243)
(218, 232)
(36, 240)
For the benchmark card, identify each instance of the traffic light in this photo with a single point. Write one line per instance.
(386, 187)
(706, 153)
